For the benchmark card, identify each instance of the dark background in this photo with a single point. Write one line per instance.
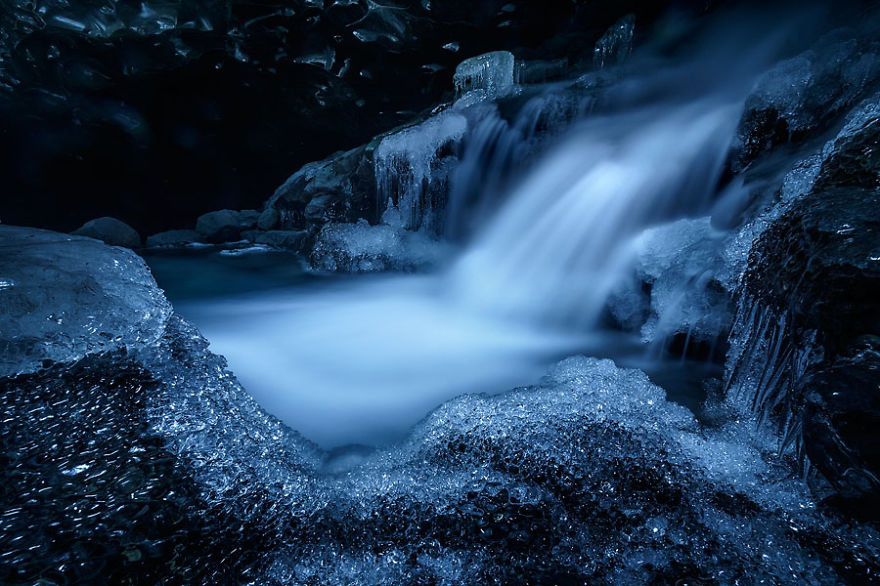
(157, 115)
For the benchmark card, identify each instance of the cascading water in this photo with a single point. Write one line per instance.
(557, 249)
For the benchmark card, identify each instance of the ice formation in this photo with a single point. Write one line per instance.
(679, 263)
(55, 308)
(491, 74)
(362, 248)
(411, 168)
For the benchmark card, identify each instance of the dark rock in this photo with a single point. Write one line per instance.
(841, 416)
(173, 238)
(815, 271)
(802, 96)
(289, 239)
(248, 218)
(268, 219)
(110, 231)
(818, 263)
(224, 225)
(340, 188)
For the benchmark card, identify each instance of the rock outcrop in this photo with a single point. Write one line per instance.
(110, 231)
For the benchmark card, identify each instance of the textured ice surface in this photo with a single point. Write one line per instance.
(362, 248)
(796, 183)
(490, 74)
(63, 297)
(680, 262)
(157, 464)
(826, 79)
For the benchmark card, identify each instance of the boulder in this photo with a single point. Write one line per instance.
(812, 288)
(341, 188)
(65, 297)
(173, 238)
(110, 231)
(268, 219)
(840, 418)
(224, 225)
(800, 97)
(288, 239)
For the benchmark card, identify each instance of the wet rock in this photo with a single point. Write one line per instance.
(841, 413)
(110, 231)
(225, 225)
(340, 188)
(173, 238)
(269, 219)
(616, 44)
(802, 96)
(818, 262)
(288, 239)
(813, 282)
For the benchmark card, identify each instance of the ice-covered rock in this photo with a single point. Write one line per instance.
(412, 170)
(681, 262)
(675, 294)
(360, 247)
(801, 95)
(491, 74)
(616, 44)
(110, 231)
(809, 296)
(64, 297)
(589, 477)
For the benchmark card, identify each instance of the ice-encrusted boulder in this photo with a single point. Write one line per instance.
(362, 248)
(802, 95)
(64, 297)
(110, 231)
(809, 302)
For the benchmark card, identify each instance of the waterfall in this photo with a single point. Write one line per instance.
(554, 252)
